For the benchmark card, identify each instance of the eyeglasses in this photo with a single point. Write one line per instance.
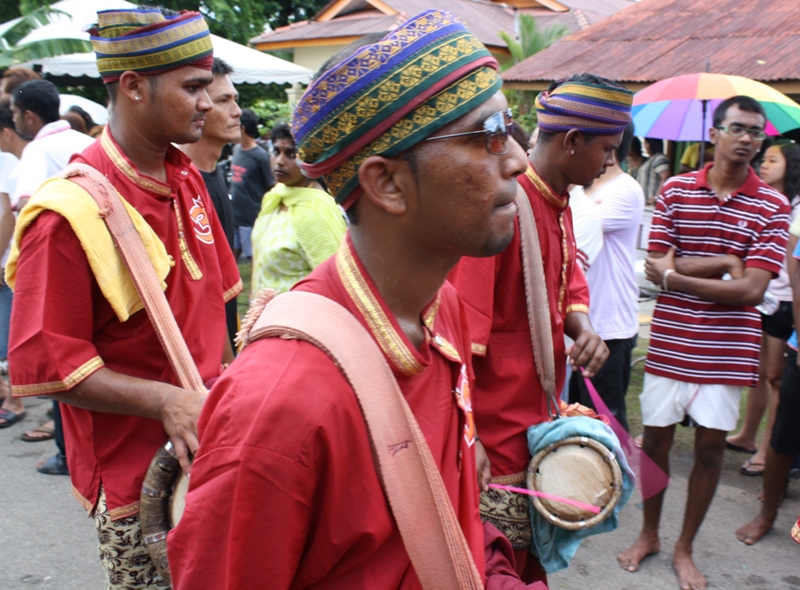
(738, 131)
(496, 130)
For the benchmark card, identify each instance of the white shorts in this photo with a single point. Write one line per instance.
(666, 402)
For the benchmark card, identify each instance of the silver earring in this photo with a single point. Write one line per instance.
(136, 98)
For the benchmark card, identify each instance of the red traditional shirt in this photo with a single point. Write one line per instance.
(698, 341)
(284, 492)
(508, 396)
(63, 329)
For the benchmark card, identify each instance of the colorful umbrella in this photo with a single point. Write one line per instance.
(681, 108)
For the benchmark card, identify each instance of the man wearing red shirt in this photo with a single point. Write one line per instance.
(284, 492)
(581, 121)
(72, 339)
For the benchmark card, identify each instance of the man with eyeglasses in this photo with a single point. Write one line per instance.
(284, 479)
(581, 122)
(717, 223)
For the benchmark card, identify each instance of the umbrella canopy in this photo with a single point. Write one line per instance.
(674, 108)
(249, 65)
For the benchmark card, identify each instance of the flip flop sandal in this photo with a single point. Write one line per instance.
(49, 434)
(752, 468)
(10, 417)
(739, 449)
(55, 465)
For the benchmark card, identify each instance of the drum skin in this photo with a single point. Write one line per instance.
(577, 468)
(156, 506)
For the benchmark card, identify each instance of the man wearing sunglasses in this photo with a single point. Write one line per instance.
(284, 479)
(581, 121)
(705, 337)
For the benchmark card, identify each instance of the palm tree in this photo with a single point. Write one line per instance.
(532, 40)
(14, 31)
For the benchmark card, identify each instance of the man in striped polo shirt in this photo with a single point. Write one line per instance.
(721, 220)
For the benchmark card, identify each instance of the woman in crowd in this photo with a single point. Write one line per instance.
(781, 170)
(299, 226)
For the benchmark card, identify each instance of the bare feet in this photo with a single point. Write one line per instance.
(750, 533)
(643, 546)
(689, 576)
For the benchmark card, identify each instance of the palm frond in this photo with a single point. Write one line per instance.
(42, 49)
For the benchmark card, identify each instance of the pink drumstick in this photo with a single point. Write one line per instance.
(576, 503)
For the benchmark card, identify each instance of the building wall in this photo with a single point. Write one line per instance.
(313, 57)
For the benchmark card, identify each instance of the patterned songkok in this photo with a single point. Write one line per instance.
(389, 96)
(594, 109)
(146, 41)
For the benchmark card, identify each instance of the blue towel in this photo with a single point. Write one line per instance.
(553, 545)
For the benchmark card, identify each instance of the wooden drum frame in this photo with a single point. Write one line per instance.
(580, 469)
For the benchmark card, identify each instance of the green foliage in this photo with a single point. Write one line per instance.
(271, 112)
(531, 41)
(11, 53)
(241, 20)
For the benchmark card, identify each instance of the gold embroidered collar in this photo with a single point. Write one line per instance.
(391, 340)
(122, 163)
(549, 194)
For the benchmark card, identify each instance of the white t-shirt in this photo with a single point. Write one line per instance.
(587, 226)
(46, 155)
(9, 170)
(613, 291)
(780, 286)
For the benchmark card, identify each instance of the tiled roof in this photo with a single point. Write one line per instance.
(657, 39)
(484, 19)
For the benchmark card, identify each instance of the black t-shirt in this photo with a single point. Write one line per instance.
(218, 191)
(251, 178)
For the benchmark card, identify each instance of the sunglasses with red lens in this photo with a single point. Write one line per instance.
(496, 130)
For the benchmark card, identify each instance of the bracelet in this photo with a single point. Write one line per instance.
(667, 272)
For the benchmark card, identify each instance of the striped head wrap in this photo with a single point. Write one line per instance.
(389, 96)
(146, 41)
(594, 109)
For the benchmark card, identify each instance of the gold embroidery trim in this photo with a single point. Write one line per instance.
(69, 381)
(562, 289)
(233, 291)
(186, 255)
(83, 501)
(446, 348)
(509, 479)
(479, 349)
(124, 511)
(430, 315)
(578, 307)
(388, 339)
(129, 171)
(546, 191)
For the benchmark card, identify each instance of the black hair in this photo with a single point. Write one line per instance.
(636, 146)
(791, 177)
(625, 145)
(87, 118)
(6, 115)
(520, 135)
(249, 122)
(745, 103)
(221, 68)
(281, 131)
(655, 145)
(40, 97)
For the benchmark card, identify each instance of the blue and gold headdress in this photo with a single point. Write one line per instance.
(389, 96)
(144, 40)
(595, 109)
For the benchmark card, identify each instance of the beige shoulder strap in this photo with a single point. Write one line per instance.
(537, 303)
(411, 481)
(131, 249)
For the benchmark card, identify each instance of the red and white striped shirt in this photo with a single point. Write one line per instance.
(694, 340)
